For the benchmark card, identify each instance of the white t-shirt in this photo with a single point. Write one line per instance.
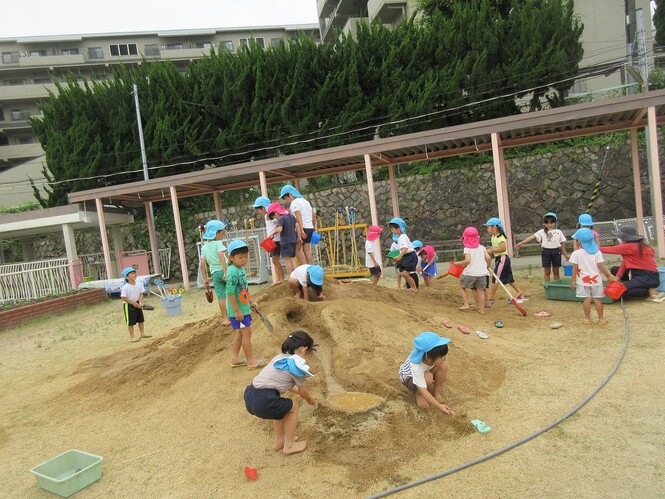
(393, 246)
(271, 377)
(405, 242)
(270, 228)
(300, 274)
(305, 209)
(372, 247)
(588, 273)
(478, 265)
(414, 371)
(552, 240)
(132, 292)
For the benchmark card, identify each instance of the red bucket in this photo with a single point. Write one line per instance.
(615, 289)
(455, 270)
(268, 244)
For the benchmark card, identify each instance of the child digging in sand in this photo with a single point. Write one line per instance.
(285, 372)
(475, 263)
(425, 371)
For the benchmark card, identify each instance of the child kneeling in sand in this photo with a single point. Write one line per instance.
(425, 371)
(285, 372)
(304, 278)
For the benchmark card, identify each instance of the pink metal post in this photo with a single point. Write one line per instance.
(502, 190)
(110, 274)
(218, 205)
(181, 241)
(153, 239)
(264, 184)
(393, 190)
(370, 190)
(637, 182)
(656, 192)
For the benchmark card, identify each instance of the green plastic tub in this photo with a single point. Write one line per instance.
(69, 472)
(560, 290)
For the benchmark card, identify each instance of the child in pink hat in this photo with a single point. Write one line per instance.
(476, 262)
(288, 229)
(373, 252)
(428, 264)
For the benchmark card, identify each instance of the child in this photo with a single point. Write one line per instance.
(425, 370)
(304, 278)
(585, 221)
(372, 251)
(285, 372)
(261, 205)
(288, 229)
(587, 265)
(213, 256)
(476, 262)
(306, 218)
(428, 264)
(553, 243)
(132, 294)
(393, 247)
(238, 305)
(407, 260)
(502, 266)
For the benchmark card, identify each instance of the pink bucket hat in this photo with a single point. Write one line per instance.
(373, 232)
(276, 207)
(429, 251)
(470, 238)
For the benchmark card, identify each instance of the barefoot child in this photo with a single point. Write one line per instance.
(373, 252)
(304, 278)
(132, 294)
(261, 205)
(238, 305)
(407, 259)
(587, 266)
(553, 243)
(475, 263)
(499, 251)
(213, 257)
(285, 372)
(425, 370)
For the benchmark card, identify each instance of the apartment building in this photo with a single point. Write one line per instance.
(616, 32)
(28, 66)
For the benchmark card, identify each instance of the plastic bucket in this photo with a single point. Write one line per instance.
(661, 274)
(268, 244)
(316, 237)
(172, 305)
(393, 254)
(614, 290)
(568, 270)
(455, 270)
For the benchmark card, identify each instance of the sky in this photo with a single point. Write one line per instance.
(50, 17)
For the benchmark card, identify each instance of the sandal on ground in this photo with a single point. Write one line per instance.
(146, 336)
(262, 363)
(134, 340)
(587, 322)
(498, 324)
(480, 426)
(447, 323)
(543, 313)
(463, 329)
(555, 325)
(603, 322)
(243, 362)
(482, 335)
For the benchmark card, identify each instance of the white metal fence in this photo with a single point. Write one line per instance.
(93, 264)
(29, 280)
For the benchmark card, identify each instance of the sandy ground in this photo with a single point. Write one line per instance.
(167, 413)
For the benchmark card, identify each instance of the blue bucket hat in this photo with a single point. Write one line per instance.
(425, 342)
(289, 189)
(395, 237)
(586, 239)
(315, 274)
(295, 364)
(585, 220)
(212, 228)
(261, 202)
(400, 222)
(235, 244)
(417, 243)
(126, 271)
(494, 221)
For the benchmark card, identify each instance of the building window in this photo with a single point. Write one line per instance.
(95, 53)
(2, 114)
(274, 42)
(203, 45)
(4, 141)
(245, 42)
(42, 81)
(70, 51)
(174, 46)
(38, 53)
(10, 57)
(26, 140)
(18, 115)
(226, 45)
(152, 50)
(14, 83)
(123, 49)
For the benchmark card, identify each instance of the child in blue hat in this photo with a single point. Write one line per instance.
(407, 260)
(306, 217)
(502, 266)
(213, 260)
(587, 266)
(286, 372)
(304, 278)
(425, 371)
(553, 244)
(131, 294)
(585, 221)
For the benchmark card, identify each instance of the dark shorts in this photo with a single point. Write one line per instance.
(235, 323)
(375, 270)
(309, 233)
(408, 382)
(638, 281)
(133, 315)
(408, 262)
(288, 250)
(551, 257)
(266, 403)
(503, 269)
(278, 249)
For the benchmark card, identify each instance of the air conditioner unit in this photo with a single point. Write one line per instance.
(25, 54)
(163, 47)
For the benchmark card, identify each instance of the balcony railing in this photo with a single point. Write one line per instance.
(51, 60)
(20, 151)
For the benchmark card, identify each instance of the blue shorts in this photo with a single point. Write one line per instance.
(266, 403)
(236, 324)
(287, 250)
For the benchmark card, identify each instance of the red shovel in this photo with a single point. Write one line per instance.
(209, 296)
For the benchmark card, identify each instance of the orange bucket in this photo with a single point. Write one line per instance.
(268, 244)
(615, 289)
(455, 270)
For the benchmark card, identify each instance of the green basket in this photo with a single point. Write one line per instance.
(393, 254)
(561, 290)
(69, 472)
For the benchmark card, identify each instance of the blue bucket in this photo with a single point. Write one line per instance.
(661, 274)
(316, 237)
(568, 270)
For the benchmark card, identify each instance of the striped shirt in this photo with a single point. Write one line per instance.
(414, 371)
